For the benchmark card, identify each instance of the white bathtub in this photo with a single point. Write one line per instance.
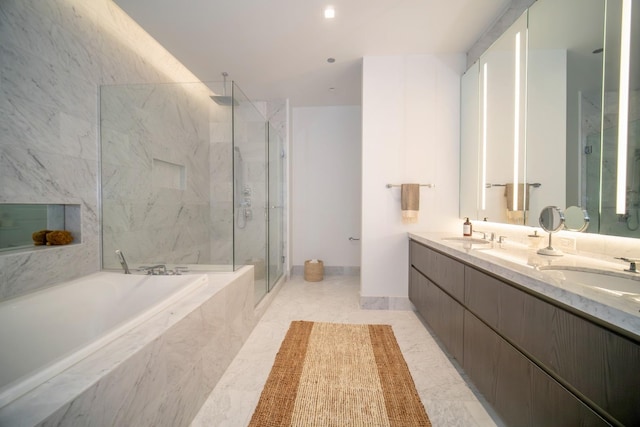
(46, 332)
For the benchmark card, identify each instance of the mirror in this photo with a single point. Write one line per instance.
(502, 96)
(469, 119)
(551, 219)
(576, 219)
(620, 201)
(564, 105)
(572, 120)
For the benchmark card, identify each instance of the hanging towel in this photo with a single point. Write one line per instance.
(523, 196)
(410, 203)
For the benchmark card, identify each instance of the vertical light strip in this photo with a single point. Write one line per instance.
(485, 71)
(516, 125)
(623, 108)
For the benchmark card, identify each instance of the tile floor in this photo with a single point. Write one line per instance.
(447, 397)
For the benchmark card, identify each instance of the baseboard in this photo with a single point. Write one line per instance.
(329, 270)
(386, 303)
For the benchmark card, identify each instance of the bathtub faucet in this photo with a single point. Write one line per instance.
(123, 262)
(155, 270)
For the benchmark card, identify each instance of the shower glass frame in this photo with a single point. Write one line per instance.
(167, 174)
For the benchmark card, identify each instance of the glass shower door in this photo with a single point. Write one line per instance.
(276, 206)
(250, 190)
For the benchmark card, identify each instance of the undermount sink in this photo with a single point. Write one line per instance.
(613, 283)
(504, 254)
(466, 240)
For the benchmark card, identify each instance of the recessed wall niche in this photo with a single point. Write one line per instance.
(168, 175)
(19, 221)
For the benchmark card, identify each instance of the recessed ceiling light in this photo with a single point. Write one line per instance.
(331, 60)
(329, 12)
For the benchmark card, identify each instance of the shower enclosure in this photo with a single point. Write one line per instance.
(191, 174)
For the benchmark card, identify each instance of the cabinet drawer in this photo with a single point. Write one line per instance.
(443, 314)
(594, 360)
(442, 270)
(518, 390)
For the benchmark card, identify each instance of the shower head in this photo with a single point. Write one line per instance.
(223, 99)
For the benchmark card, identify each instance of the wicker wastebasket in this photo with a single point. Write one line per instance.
(313, 271)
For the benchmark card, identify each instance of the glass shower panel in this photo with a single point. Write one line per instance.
(250, 195)
(165, 173)
(276, 206)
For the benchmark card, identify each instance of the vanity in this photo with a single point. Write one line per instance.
(543, 349)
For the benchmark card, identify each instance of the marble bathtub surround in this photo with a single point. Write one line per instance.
(157, 374)
(521, 264)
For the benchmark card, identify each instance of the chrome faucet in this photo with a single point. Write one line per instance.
(632, 264)
(123, 262)
(491, 235)
(161, 269)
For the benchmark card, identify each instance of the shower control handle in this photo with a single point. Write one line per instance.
(353, 239)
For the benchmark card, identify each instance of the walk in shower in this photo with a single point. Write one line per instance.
(191, 174)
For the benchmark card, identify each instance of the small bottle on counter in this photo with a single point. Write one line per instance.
(467, 228)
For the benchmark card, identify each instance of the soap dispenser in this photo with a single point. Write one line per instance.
(467, 228)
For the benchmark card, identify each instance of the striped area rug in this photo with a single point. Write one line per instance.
(330, 374)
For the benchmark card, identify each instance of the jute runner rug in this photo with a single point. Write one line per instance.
(329, 374)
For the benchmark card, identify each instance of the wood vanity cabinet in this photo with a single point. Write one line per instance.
(535, 361)
(438, 297)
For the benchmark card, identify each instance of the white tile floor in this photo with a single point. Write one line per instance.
(446, 395)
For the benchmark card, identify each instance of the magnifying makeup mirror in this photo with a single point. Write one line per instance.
(551, 220)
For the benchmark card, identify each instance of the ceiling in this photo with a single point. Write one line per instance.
(276, 49)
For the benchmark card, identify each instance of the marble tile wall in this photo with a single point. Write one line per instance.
(156, 136)
(54, 56)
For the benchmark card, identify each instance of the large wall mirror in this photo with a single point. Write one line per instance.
(541, 118)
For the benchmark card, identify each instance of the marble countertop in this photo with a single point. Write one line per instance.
(522, 265)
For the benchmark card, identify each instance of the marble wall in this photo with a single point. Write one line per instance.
(156, 177)
(54, 56)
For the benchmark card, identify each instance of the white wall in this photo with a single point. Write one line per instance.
(326, 172)
(410, 133)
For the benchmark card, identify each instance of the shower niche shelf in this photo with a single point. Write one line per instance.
(18, 221)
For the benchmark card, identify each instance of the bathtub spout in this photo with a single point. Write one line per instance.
(159, 269)
(123, 262)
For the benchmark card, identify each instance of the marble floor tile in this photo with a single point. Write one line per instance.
(449, 399)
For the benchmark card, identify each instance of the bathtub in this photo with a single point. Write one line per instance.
(46, 332)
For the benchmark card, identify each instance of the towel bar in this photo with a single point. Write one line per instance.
(421, 185)
(487, 185)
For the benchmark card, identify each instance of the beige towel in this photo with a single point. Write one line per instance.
(523, 195)
(410, 203)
